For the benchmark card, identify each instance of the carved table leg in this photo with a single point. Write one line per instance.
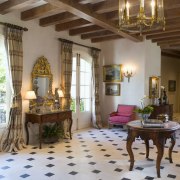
(159, 142)
(70, 126)
(173, 141)
(27, 132)
(40, 135)
(147, 147)
(130, 140)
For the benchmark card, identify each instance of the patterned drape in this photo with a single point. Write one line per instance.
(96, 115)
(66, 76)
(12, 138)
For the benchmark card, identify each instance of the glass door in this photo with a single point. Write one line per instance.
(81, 92)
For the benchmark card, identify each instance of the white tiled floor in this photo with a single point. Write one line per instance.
(91, 155)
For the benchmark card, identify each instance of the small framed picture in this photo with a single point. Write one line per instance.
(112, 73)
(172, 85)
(112, 89)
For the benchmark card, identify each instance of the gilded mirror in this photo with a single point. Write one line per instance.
(42, 81)
(154, 86)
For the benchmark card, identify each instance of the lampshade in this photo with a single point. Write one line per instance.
(30, 95)
(60, 93)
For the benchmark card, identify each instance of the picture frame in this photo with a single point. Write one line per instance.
(112, 73)
(171, 85)
(154, 87)
(112, 89)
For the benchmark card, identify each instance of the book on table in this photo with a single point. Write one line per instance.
(153, 123)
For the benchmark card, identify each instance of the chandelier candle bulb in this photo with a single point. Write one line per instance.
(142, 4)
(153, 8)
(127, 10)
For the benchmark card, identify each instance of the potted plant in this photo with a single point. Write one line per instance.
(145, 111)
(52, 133)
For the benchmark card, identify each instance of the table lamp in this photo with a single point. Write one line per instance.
(60, 94)
(30, 95)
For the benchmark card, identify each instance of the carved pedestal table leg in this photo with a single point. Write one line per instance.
(27, 132)
(159, 142)
(70, 126)
(173, 141)
(147, 147)
(40, 135)
(130, 140)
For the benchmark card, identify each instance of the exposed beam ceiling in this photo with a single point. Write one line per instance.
(96, 19)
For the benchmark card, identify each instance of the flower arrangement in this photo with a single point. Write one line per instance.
(144, 109)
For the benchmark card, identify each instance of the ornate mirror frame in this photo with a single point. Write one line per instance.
(42, 69)
(154, 86)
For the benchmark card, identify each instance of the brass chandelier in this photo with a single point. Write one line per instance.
(150, 16)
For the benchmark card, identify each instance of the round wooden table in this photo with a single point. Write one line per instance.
(157, 135)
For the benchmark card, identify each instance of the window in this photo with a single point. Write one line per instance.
(4, 84)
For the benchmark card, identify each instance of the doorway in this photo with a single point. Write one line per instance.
(81, 91)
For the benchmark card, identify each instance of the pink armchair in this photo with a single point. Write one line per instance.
(123, 115)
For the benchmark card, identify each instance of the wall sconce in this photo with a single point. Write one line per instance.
(128, 71)
(30, 95)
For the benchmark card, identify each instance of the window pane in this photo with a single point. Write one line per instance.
(73, 105)
(82, 78)
(85, 105)
(3, 83)
(82, 65)
(85, 91)
(73, 78)
(73, 91)
(74, 64)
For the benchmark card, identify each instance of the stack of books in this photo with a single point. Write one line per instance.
(153, 123)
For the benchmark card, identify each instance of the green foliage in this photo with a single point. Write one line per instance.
(82, 106)
(146, 110)
(52, 130)
(2, 75)
(73, 105)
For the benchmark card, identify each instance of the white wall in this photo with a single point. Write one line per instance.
(145, 56)
(40, 41)
(170, 71)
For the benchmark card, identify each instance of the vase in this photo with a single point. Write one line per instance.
(145, 116)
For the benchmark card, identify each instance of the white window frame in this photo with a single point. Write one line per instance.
(8, 88)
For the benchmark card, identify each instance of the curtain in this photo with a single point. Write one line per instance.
(96, 116)
(66, 76)
(12, 138)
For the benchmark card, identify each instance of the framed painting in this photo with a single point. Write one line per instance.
(154, 85)
(112, 89)
(171, 85)
(112, 73)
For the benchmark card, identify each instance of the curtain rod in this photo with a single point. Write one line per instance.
(14, 26)
(65, 40)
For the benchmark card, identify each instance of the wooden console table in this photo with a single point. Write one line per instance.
(50, 117)
(157, 135)
(162, 109)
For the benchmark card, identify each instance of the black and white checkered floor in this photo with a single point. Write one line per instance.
(91, 155)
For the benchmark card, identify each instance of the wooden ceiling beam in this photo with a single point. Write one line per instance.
(88, 14)
(169, 43)
(164, 35)
(37, 12)
(96, 34)
(71, 24)
(166, 39)
(82, 30)
(14, 4)
(169, 54)
(57, 18)
(172, 29)
(107, 38)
